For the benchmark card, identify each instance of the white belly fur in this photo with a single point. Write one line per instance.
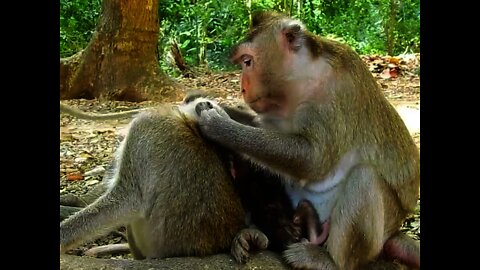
(323, 194)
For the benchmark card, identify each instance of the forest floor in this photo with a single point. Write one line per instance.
(87, 147)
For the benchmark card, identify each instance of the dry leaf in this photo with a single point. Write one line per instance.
(75, 176)
(394, 60)
(393, 73)
(85, 155)
(385, 74)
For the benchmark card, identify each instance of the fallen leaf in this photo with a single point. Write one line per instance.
(394, 60)
(385, 74)
(393, 73)
(92, 182)
(86, 155)
(96, 171)
(75, 176)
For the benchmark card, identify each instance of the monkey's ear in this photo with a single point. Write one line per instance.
(292, 36)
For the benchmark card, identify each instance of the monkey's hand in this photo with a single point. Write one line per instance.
(305, 255)
(246, 240)
(212, 121)
(289, 152)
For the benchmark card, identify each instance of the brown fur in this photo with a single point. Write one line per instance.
(316, 113)
(171, 188)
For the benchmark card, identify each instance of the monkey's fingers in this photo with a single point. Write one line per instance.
(305, 255)
(245, 240)
(293, 232)
(239, 252)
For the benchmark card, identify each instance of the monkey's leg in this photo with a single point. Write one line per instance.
(66, 211)
(137, 254)
(107, 212)
(356, 227)
(358, 220)
(245, 241)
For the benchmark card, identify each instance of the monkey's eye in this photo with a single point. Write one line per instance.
(247, 60)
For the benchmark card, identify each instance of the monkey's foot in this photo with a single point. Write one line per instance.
(305, 255)
(246, 240)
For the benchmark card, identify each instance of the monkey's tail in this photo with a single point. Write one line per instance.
(95, 116)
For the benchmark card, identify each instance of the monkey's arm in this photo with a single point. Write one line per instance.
(291, 153)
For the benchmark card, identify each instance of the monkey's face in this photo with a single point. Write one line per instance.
(269, 58)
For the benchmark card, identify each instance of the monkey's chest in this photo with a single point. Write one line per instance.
(323, 201)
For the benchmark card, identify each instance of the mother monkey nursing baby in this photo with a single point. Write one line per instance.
(334, 138)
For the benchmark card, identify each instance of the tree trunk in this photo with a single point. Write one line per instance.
(120, 62)
(391, 26)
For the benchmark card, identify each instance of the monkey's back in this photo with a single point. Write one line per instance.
(196, 210)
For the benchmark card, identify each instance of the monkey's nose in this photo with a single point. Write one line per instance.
(201, 106)
(243, 90)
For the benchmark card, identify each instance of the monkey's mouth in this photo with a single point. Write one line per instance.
(255, 100)
(262, 105)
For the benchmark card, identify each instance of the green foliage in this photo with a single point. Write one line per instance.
(362, 24)
(205, 30)
(77, 24)
(210, 26)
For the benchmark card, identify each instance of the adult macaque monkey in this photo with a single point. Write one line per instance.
(171, 188)
(328, 129)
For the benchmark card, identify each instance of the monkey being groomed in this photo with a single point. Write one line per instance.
(261, 193)
(171, 188)
(328, 130)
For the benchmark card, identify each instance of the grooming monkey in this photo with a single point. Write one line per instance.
(335, 139)
(171, 188)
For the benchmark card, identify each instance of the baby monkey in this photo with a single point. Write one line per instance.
(171, 188)
(308, 221)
